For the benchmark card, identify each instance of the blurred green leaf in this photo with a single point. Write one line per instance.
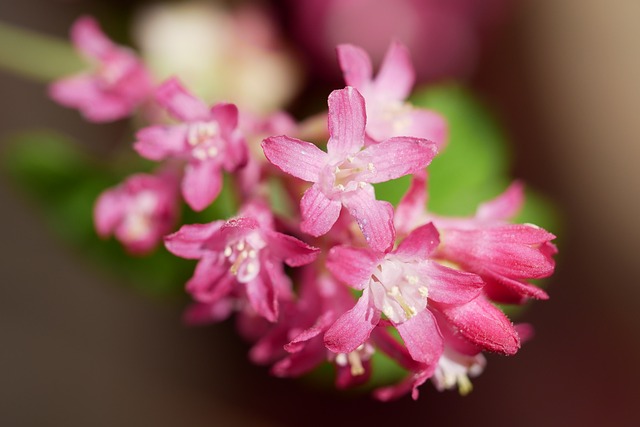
(65, 183)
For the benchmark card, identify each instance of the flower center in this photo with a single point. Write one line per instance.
(202, 137)
(138, 221)
(345, 175)
(355, 358)
(243, 255)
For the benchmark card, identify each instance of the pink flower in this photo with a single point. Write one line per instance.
(244, 250)
(119, 83)
(343, 175)
(407, 287)
(505, 255)
(140, 211)
(389, 115)
(208, 139)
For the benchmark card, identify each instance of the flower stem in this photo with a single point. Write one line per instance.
(36, 56)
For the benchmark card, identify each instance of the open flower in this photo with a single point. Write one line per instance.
(207, 139)
(140, 211)
(343, 175)
(406, 286)
(111, 91)
(243, 250)
(389, 115)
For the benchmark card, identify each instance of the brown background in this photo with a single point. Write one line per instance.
(79, 349)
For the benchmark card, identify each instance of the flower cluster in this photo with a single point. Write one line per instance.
(365, 277)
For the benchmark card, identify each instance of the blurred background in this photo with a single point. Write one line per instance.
(79, 348)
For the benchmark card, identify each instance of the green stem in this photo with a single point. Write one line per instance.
(36, 56)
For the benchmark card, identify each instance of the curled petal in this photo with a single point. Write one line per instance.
(294, 252)
(420, 243)
(190, 241)
(87, 37)
(505, 206)
(412, 205)
(160, 142)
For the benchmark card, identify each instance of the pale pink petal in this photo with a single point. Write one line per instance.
(450, 286)
(201, 184)
(298, 158)
(505, 206)
(374, 217)
(108, 212)
(227, 117)
(190, 241)
(319, 213)
(419, 244)
(396, 157)
(352, 266)
(425, 124)
(413, 204)
(292, 251)
(396, 76)
(160, 142)
(87, 37)
(353, 327)
(484, 325)
(180, 103)
(347, 119)
(422, 337)
(355, 65)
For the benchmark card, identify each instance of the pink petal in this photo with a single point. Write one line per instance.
(374, 217)
(180, 103)
(319, 213)
(420, 243)
(87, 37)
(108, 212)
(521, 288)
(426, 124)
(202, 314)
(410, 384)
(189, 242)
(321, 325)
(396, 76)
(450, 286)
(298, 158)
(352, 266)
(294, 252)
(296, 364)
(505, 206)
(201, 184)
(226, 115)
(355, 65)
(413, 204)
(484, 325)
(262, 295)
(396, 157)
(353, 327)
(347, 119)
(159, 142)
(210, 281)
(345, 379)
(422, 337)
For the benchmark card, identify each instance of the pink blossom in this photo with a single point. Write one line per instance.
(505, 255)
(140, 211)
(207, 139)
(117, 85)
(407, 287)
(243, 251)
(389, 115)
(343, 175)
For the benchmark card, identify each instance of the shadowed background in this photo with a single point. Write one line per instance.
(78, 348)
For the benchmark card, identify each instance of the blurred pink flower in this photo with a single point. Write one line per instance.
(111, 91)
